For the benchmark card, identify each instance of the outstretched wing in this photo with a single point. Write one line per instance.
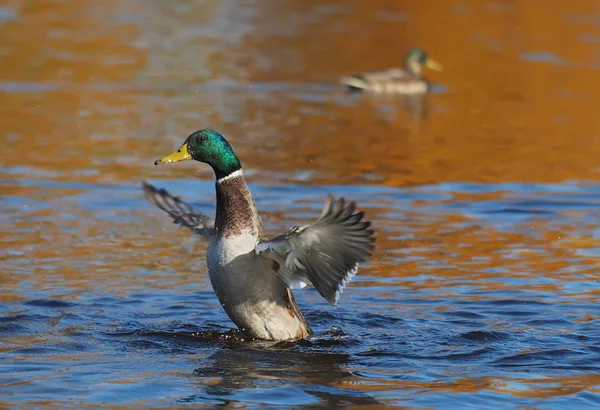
(181, 212)
(325, 253)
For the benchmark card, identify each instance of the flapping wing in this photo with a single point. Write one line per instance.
(181, 212)
(325, 253)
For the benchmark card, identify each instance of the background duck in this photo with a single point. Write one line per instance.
(407, 81)
(251, 275)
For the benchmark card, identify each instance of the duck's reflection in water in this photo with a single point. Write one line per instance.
(271, 373)
(407, 109)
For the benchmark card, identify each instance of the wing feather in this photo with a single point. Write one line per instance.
(326, 253)
(181, 212)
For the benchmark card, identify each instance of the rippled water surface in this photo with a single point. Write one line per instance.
(483, 290)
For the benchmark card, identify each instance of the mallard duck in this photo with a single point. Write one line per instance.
(407, 81)
(250, 274)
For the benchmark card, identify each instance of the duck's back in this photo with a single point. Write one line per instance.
(392, 81)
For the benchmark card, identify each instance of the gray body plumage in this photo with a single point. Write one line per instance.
(392, 81)
(252, 276)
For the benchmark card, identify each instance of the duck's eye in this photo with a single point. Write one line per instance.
(203, 138)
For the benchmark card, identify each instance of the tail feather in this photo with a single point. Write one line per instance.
(354, 82)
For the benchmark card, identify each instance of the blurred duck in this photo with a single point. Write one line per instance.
(405, 81)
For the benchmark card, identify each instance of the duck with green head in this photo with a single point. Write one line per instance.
(250, 274)
(406, 81)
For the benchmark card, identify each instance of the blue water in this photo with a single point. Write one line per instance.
(402, 334)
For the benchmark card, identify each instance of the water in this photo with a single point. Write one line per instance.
(483, 290)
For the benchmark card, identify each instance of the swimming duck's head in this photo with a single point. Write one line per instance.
(417, 58)
(206, 146)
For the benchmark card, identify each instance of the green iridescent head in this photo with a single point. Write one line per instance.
(416, 58)
(209, 147)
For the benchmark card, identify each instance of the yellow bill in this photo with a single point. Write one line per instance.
(434, 65)
(180, 154)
